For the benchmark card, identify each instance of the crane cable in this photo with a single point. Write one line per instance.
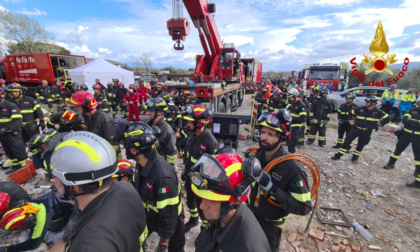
(316, 178)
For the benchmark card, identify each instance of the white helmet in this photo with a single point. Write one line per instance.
(83, 157)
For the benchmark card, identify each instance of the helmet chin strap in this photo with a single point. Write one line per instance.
(270, 148)
(225, 208)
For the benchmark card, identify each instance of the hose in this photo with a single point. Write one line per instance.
(316, 178)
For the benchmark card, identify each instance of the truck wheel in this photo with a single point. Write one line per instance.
(228, 106)
(394, 115)
(221, 108)
(241, 97)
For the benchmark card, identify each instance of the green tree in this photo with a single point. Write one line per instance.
(42, 47)
(24, 32)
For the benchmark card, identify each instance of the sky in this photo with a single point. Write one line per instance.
(283, 35)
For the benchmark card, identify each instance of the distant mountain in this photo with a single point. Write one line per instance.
(411, 65)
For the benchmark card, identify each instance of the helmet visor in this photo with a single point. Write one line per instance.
(270, 119)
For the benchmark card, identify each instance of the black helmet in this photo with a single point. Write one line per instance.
(302, 93)
(140, 136)
(36, 141)
(322, 92)
(167, 97)
(371, 99)
(50, 132)
(14, 87)
(156, 104)
(73, 84)
(350, 96)
(84, 87)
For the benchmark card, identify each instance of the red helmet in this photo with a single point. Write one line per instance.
(84, 99)
(131, 86)
(2, 81)
(4, 202)
(197, 113)
(125, 169)
(68, 115)
(187, 93)
(20, 218)
(109, 84)
(209, 187)
(97, 86)
(121, 84)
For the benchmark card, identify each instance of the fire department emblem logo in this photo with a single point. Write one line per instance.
(379, 47)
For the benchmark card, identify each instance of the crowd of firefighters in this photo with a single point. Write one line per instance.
(100, 201)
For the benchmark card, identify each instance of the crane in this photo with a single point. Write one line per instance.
(220, 62)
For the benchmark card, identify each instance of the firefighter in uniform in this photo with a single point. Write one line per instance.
(111, 98)
(299, 113)
(96, 121)
(302, 97)
(156, 108)
(185, 99)
(345, 114)
(142, 92)
(30, 110)
(10, 139)
(159, 90)
(366, 119)
(233, 226)
(57, 95)
(44, 94)
(319, 115)
(37, 145)
(157, 183)
(105, 219)
(83, 87)
(285, 184)
(67, 120)
(131, 99)
(199, 141)
(100, 98)
(173, 116)
(261, 101)
(74, 87)
(410, 134)
(276, 102)
(313, 96)
(121, 91)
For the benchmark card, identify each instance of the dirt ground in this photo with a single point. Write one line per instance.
(365, 192)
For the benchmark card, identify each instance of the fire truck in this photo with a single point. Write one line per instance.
(220, 72)
(30, 69)
(322, 73)
(252, 72)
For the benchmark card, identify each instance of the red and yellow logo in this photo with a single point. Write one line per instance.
(379, 47)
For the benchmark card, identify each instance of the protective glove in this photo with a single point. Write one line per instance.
(131, 103)
(126, 102)
(162, 248)
(42, 125)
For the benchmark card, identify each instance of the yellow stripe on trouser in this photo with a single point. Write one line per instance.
(395, 156)
(322, 138)
(340, 140)
(357, 153)
(171, 159)
(416, 162)
(312, 137)
(418, 178)
(342, 151)
(143, 237)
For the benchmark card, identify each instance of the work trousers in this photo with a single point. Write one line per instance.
(14, 148)
(343, 128)
(321, 129)
(403, 142)
(133, 110)
(308, 125)
(29, 130)
(294, 139)
(177, 241)
(273, 233)
(364, 139)
(114, 109)
(123, 109)
(302, 135)
(404, 108)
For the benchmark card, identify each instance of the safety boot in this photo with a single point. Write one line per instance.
(415, 184)
(337, 146)
(354, 159)
(336, 157)
(391, 164)
(191, 223)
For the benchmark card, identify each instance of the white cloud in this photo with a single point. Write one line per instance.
(2, 8)
(34, 12)
(13, 1)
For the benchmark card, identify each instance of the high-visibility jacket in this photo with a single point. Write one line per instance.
(10, 117)
(407, 97)
(393, 96)
(29, 109)
(342, 88)
(369, 119)
(298, 113)
(411, 121)
(44, 93)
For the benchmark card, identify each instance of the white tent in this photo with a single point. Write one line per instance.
(102, 70)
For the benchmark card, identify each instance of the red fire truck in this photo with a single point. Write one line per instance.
(322, 73)
(30, 69)
(252, 72)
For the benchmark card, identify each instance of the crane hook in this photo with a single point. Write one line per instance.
(178, 45)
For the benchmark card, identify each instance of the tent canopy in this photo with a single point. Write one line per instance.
(102, 70)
